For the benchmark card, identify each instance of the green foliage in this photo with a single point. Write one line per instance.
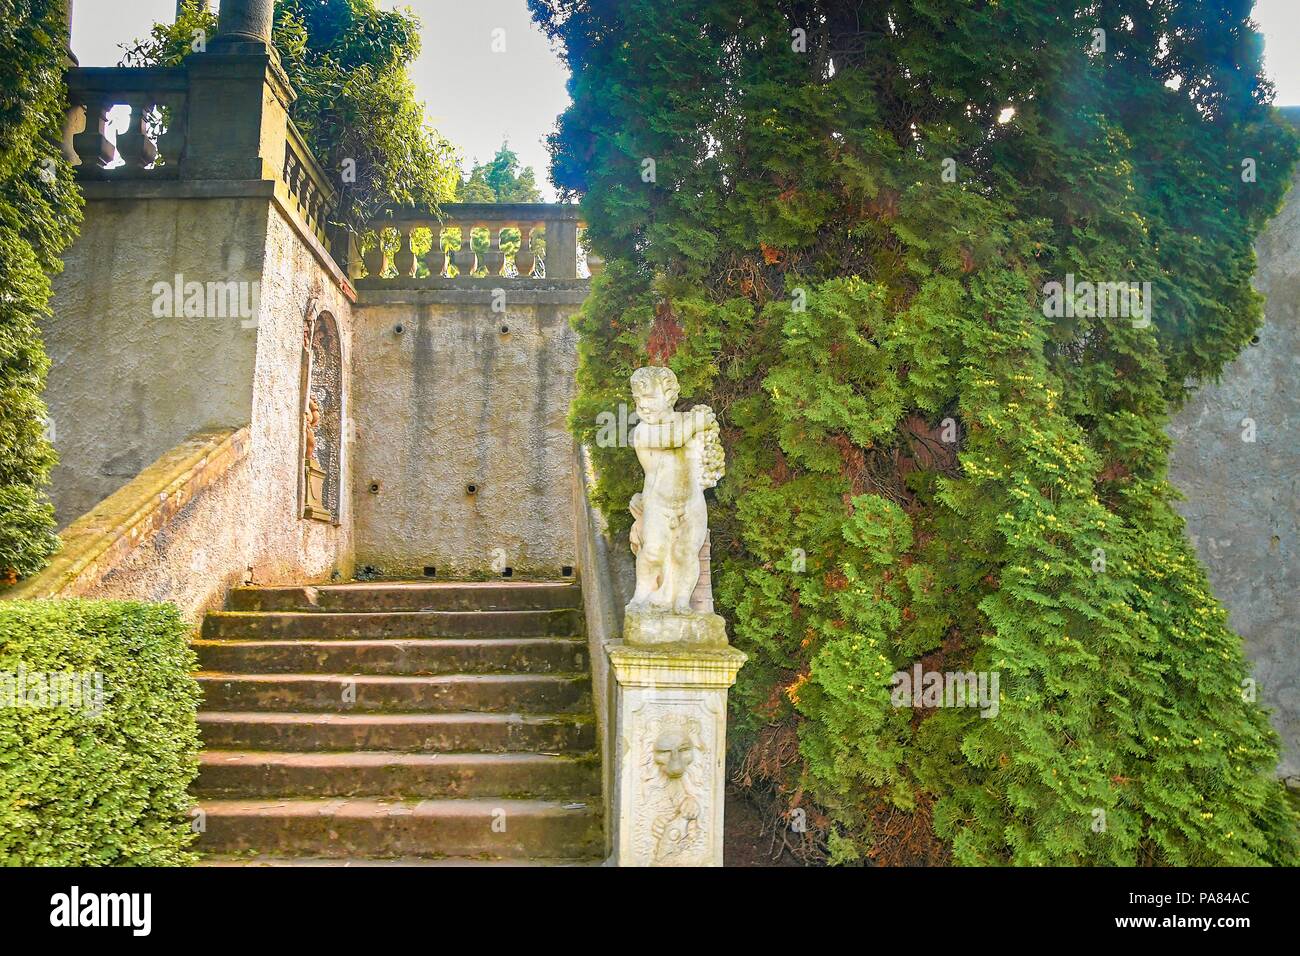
(924, 467)
(40, 210)
(81, 788)
(500, 180)
(348, 62)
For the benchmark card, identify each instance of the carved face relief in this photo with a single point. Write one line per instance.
(673, 808)
(674, 752)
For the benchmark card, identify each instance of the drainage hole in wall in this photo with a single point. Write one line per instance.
(507, 572)
(399, 328)
(566, 571)
(374, 487)
(471, 489)
(505, 330)
(1254, 340)
(430, 571)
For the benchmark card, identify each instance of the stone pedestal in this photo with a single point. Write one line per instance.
(670, 741)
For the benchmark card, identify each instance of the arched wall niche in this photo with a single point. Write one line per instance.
(322, 417)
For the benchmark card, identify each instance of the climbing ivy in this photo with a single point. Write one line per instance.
(839, 224)
(40, 210)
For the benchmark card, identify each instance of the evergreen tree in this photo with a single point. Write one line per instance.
(839, 223)
(40, 210)
(500, 180)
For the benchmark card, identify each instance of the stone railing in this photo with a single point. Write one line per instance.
(153, 143)
(315, 198)
(185, 123)
(490, 242)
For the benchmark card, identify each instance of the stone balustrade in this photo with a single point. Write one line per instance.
(474, 242)
(153, 143)
(311, 190)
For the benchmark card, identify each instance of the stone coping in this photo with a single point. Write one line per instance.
(98, 541)
(444, 291)
(679, 667)
(266, 189)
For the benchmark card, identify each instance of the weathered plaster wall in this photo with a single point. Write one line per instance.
(126, 387)
(199, 554)
(452, 400)
(1243, 498)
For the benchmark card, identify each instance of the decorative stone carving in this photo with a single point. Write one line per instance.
(682, 457)
(673, 666)
(315, 476)
(671, 744)
(322, 420)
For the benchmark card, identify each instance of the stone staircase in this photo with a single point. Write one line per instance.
(408, 722)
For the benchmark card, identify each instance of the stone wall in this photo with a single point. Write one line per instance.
(127, 386)
(452, 394)
(1243, 497)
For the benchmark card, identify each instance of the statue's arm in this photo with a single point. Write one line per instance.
(670, 434)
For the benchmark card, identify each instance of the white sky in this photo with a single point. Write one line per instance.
(477, 97)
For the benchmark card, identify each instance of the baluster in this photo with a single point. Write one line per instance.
(312, 203)
(375, 258)
(436, 260)
(494, 259)
(92, 145)
(133, 143)
(405, 258)
(291, 171)
(171, 142)
(464, 258)
(526, 256)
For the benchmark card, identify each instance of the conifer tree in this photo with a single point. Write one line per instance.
(40, 210)
(840, 224)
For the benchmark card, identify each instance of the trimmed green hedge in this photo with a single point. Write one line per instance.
(84, 789)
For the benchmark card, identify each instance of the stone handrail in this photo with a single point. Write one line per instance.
(311, 190)
(100, 540)
(152, 144)
(554, 224)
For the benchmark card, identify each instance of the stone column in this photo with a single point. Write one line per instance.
(239, 99)
(245, 21)
(671, 742)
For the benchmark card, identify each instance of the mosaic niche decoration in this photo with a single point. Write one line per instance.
(322, 419)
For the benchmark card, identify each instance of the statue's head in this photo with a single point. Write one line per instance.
(654, 389)
(674, 751)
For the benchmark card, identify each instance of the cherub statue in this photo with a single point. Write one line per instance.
(682, 456)
(311, 421)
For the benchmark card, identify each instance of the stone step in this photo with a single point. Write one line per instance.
(227, 773)
(218, 859)
(377, 828)
(527, 655)
(432, 733)
(310, 625)
(411, 596)
(362, 693)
